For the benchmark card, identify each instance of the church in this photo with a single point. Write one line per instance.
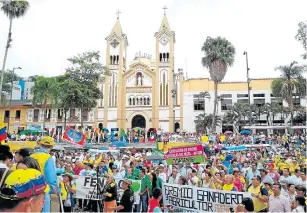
(148, 93)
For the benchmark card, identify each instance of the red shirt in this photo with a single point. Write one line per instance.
(77, 170)
(147, 163)
(153, 203)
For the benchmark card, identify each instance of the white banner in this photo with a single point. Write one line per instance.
(195, 199)
(86, 188)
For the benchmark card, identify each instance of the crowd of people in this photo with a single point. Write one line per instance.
(275, 176)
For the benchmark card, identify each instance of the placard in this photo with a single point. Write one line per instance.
(193, 154)
(195, 199)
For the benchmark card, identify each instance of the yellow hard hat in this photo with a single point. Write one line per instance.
(47, 140)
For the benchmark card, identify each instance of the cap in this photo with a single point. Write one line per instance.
(23, 183)
(129, 182)
(161, 165)
(47, 140)
(69, 176)
(114, 167)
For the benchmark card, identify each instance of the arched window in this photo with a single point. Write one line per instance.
(144, 101)
(141, 101)
(137, 101)
(167, 56)
(130, 102)
(111, 60)
(148, 101)
(160, 57)
(117, 59)
(164, 56)
(139, 79)
(133, 101)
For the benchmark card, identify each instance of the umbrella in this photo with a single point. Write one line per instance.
(31, 131)
(228, 133)
(245, 132)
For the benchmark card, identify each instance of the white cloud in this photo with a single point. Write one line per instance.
(54, 30)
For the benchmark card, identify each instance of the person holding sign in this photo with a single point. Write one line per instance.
(68, 190)
(127, 199)
(110, 193)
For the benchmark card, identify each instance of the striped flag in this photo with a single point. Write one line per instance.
(3, 134)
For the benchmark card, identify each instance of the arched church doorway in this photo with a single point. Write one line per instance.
(177, 126)
(138, 121)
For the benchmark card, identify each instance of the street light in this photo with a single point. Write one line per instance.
(10, 105)
(248, 89)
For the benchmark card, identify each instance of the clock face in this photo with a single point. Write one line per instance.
(164, 40)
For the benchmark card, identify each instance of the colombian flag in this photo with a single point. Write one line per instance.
(3, 135)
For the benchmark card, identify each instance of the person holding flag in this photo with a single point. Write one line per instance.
(47, 166)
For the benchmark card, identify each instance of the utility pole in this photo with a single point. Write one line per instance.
(248, 89)
(10, 105)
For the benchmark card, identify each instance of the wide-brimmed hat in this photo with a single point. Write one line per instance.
(129, 182)
(68, 175)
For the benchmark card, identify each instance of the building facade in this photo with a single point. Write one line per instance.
(146, 94)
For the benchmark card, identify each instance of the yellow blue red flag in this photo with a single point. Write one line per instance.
(3, 134)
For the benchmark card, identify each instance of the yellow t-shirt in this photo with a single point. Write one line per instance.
(282, 165)
(204, 138)
(258, 204)
(222, 138)
(64, 190)
(97, 162)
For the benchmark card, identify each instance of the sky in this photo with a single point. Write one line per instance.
(54, 30)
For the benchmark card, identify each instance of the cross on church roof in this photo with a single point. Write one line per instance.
(118, 12)
(164, 8)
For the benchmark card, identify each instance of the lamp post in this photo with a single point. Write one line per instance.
(10, 105)
(248, 89)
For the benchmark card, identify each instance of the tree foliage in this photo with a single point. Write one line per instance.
(45, 93)
(203, 122)
(219, 55)
(301, 36)
(291, 83)
(79, 84)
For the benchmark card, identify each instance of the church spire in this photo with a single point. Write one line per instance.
(164, 24)
(117, 28)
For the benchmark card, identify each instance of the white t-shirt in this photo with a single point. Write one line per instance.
(162, 176)
(194, 179)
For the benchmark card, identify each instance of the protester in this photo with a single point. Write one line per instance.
(259, 194)
(67, 191)
(277, 202)
(5, 162)
(299, 205)
(246, 205)
(127, 199)
(154, 203)
(23, 191)
(47, 166)
(110, 193)
(28, 163)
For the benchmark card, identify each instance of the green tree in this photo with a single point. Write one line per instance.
(300, 117)
(203, 122)
(13, 10)
(219, 55)
(8, 77)
(301, 36)
(237, 116)
(257, 111)
(45, 92)
(79, 84)
(291, 83)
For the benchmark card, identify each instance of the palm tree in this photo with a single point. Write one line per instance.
(13, 10)
(205, 95)
(291, 81)
(236, 116)
(204, 122)
(45, 92)
(257, 111)
(219, 55)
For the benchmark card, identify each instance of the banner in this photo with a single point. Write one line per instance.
(193, 154)
(85, 186)
(195, 199)
(74, 137)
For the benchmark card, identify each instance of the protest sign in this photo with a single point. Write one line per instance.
(74, 137)
(195, 199)
(193, 154)
(86, 188)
